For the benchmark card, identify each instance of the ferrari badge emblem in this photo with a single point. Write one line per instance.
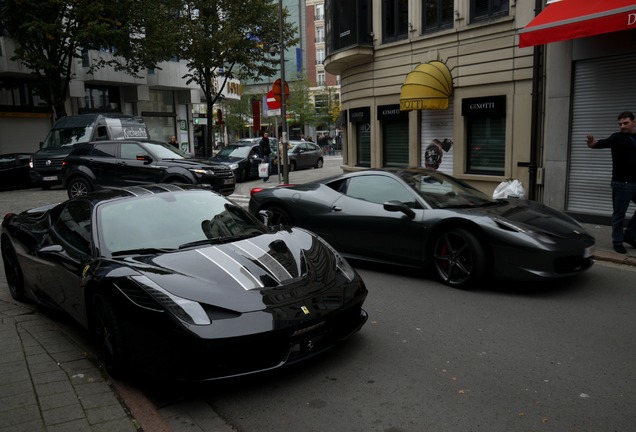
(305, 310)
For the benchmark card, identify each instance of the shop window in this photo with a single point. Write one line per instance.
(437, 15)
(395, 20)
(395, 140)
(363, 135)
(486, 144)
(485, 9)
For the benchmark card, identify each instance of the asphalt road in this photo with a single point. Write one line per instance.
(508, 357)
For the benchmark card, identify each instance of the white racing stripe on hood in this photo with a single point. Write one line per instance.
(273, 266)
(233, 268)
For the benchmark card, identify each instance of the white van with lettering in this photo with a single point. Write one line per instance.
(46, 163)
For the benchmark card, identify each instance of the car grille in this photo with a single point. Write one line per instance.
(42, 163)
(223, 172)
(572, 264)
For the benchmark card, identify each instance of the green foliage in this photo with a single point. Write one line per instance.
(50, 34)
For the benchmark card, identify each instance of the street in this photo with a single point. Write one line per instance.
(506, 357)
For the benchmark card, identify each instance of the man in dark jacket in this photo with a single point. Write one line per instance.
(623, 145)
(266, 151)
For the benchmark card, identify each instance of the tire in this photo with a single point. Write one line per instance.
(459, 259)
(78, 186)
(280, 216)
(110, 336)
(242, 176)
(320, 163)
(292, 166)
(13, 271)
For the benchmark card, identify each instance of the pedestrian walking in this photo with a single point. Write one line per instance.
(266, 151)
(623, 147)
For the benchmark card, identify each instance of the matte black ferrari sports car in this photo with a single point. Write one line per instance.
(180, 281)
(426, 219)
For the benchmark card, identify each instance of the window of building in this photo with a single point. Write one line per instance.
(320, 34)
(347, 24)
(319, 13)
(363, 135)
(320, 78)
(100, 98)
(395, 20)
(484, 9)
(486, 134)
(20, 93)
(320, 56)
(437, 15)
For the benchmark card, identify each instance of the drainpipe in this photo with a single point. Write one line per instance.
(537, 109)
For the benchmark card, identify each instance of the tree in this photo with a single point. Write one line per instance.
(229, 39)
(300, 101)
(51, 34)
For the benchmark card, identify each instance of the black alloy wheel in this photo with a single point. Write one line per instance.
(459, 259)
(110, 336)
(78, 186)
(280, 216)
(13, 271)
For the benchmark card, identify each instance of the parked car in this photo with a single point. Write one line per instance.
(241, 158)
(14, 171)
(179, 282)
(426, 219)
(99, 164)
(67, 132)
(303, 155)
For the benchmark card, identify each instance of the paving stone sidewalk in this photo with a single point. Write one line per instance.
(48, 383)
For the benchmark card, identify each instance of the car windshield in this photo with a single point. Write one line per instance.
(67, 137)
(165, 150)
(442, 191)
(234, 151)
(169, 221)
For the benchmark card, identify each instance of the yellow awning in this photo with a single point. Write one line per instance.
(428, 86)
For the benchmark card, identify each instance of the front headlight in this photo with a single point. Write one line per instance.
(186, 310)
(234, 166)
(342, 264)
(532, 233)
(202, 172)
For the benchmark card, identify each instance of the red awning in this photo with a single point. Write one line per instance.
(571, 19)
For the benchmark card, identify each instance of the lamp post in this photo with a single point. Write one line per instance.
(283, 111)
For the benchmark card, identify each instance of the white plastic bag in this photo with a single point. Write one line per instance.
(263, 170)
(509, 189)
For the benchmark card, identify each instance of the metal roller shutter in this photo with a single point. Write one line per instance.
(603, 88)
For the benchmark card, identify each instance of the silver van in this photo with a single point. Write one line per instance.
(46, 163)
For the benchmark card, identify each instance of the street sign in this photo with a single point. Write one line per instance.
(277, 89)
(272, 103)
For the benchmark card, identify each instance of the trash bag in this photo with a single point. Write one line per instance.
(509, 189)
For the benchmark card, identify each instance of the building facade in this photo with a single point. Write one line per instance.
(162, 97)
(445, 84)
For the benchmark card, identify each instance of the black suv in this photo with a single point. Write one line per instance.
(136, 162)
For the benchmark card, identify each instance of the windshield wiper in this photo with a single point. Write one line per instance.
(216, 240)
(142, 251)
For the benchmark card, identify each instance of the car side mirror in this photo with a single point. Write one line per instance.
(399, 206)
(265, 216)
(145, 158)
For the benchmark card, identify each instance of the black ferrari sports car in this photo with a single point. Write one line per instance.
(180, 282)
(426, 219)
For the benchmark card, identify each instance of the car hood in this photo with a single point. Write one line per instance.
(226, 159)
(265, 271)
(538, 217)
(189, 163)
